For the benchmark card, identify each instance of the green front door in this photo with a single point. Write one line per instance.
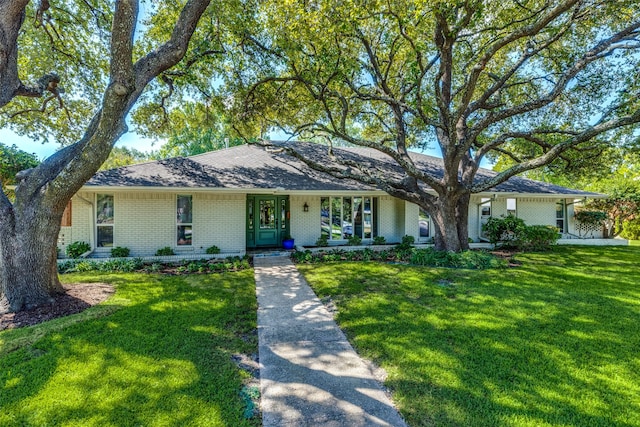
(267, 220)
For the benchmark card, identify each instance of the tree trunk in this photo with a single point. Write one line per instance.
(29, 274)
(450, 219)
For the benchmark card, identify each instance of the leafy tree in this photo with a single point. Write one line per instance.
(123, 156)
(195, 129)
(12, 161)
(120, 72)
(532, 81)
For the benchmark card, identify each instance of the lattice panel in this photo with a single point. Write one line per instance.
(587, 229)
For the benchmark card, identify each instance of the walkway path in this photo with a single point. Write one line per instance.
(309, 373)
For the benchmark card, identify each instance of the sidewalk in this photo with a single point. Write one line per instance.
(309, 373)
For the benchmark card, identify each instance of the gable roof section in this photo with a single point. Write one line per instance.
(252, 167)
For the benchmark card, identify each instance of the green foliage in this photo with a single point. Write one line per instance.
(120, 252)
(505, 230)
(631, 230)
(137, 264)
(484, 348)
(379, 240)
(590, 217)
(354, 241)
(323, 241)
(124, 156)
(75, 249)
(424, 257)
(213, 250)
(407, 242)
(467, 259)
(12, 161)
(512, 232)
(95, 361)
(166, 251)
(539, 237)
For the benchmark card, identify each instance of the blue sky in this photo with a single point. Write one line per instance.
(130, 139)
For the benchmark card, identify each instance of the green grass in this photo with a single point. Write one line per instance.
(158, 353)
(554, 342)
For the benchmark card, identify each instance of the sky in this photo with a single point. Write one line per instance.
(42, 151)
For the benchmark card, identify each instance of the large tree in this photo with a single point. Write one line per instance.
(29, 227)
(530, 80)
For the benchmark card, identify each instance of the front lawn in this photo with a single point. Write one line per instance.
(554, 342)
(158, 353)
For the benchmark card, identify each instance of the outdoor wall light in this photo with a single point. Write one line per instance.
(305, 207)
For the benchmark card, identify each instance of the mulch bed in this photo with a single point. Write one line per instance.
(76, 298)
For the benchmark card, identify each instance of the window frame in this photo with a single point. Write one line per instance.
(180, 223)
(333, 208)
(104, 225)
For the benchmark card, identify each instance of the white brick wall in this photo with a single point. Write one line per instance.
(537, 211)
(305, 226)
(391, 218)
(145, 222)
(219, 220)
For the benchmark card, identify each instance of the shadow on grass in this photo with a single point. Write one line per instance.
(164, 359)
(551, 343)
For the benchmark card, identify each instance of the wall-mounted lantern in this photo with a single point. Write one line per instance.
(305, 207)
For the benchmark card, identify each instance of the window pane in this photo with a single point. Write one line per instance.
(250, 213)
(184, 235)
(283, 214)
(104, 209)
(324, 217)
(357, 216)
(375, 216)
(184, 210)
(105, 236)
(336, 218)
(424, 223)
(511, 206)
(347, 224)
(367, 218)
(267, 214)
(559, 210)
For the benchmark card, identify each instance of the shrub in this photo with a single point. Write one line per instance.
(75, 249)
(354, 241)
(379, 240)
(323, 241)
(478, 260)
(506, 230)
(539, 237)
(213, 250)
(119, 252)
(165, 251)
(631, 229)
(407, 242)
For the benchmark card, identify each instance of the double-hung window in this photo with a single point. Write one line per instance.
(104, 220)
(184, 220)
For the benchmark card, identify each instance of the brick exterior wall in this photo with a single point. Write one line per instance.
(145, 222)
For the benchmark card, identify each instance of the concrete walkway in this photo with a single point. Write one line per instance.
(309, 373)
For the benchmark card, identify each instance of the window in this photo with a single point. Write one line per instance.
(511, 207)
(104, 220)
(423, 222)
(485, 207)
(344, 217)
(184, 219)
(560, 217)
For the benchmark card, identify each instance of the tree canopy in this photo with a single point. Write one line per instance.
(12, 161)
(121, 70)
(529, 81)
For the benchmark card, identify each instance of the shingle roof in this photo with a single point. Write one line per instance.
(248, 167)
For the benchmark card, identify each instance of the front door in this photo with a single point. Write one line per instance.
(267, 220)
